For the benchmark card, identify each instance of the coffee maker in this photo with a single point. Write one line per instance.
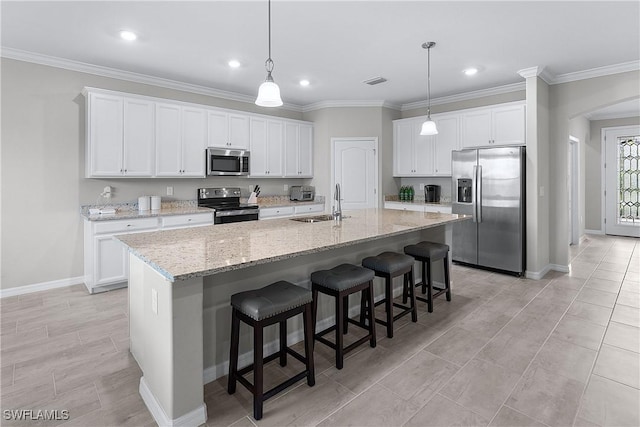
(432, 194)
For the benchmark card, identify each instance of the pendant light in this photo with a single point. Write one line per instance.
(269, 92)
(429, 126)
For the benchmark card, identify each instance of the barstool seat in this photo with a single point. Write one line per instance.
(275, 298)
(389, 265)
(340, 282)
(260, 308)
(426, 253)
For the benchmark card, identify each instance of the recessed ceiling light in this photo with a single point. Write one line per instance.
(304, 82)
(234, 63)
(128, 35)
(470, 71)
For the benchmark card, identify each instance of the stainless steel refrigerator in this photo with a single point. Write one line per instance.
(489, 185)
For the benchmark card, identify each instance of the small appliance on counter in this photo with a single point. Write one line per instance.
(432, 194)
(226, 202)
(302, 193)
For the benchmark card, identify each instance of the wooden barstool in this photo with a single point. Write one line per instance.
(340, 282)
(259, 308)
(426, 253)
(389, 265)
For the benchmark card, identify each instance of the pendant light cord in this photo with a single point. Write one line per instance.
(269, 62)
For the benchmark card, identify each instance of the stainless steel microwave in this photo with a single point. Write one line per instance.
(227, 162)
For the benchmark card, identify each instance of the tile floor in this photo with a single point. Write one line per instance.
(560, 351)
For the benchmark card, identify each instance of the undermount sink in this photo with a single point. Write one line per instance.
(317, 218)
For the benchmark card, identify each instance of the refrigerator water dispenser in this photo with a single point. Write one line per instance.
(464, 190)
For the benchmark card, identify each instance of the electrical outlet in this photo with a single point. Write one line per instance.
(169, 191)
(154, 301)
(421, 187)
(286, 187)
(541, 191)
(106, 192)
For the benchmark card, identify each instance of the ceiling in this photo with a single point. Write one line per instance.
(334, 44)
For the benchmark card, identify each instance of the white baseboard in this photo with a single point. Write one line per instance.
(44, 286)
(600, 232)
(194, 418)
(537, 275)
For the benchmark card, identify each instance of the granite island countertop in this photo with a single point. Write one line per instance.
(195, 252)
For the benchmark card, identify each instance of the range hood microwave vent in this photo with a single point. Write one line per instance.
(375, 80)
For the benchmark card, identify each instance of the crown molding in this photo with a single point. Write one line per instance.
(597, 72)
(529, 72)
(348, 103)
(596, 117)
(98, 70)
(514, 87)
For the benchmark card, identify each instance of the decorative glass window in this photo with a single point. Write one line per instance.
(628, 169)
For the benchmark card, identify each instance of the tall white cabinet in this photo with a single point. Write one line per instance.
(181, 139)
(298, 147)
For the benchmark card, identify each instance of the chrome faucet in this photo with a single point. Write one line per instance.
(337, 207)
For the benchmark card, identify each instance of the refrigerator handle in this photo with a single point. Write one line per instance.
(479, 192)
(474, 195)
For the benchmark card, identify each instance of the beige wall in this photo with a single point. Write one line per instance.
(593, 169)
(567, 101)
(43, 182)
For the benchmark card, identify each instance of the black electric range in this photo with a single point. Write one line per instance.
(226, 202)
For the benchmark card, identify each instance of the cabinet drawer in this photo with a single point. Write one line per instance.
(276, 212)
(305, 209)
(187, 220)
(436, 208)
(125, 226)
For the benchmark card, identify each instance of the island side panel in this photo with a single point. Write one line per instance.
(167, 335)
(218, 289)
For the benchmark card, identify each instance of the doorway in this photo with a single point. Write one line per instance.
(573, 168)
(621, 146)
(355, 168)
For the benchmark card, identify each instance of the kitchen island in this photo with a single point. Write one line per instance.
(180, 283)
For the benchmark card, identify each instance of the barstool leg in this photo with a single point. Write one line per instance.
(314, 311)
(446, 277)
(363, 308)
(424, 277)
(339, 331)
(412, 295)
(283, 343)
(372, 321)
(258, 383)
(233, 356)
(388, 304)
(308, 345)
(345, 318)
(429, 287)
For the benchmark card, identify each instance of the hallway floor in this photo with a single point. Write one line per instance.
(505, 351)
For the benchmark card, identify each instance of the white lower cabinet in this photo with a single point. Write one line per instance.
(287, 211)
(106, 259)
(418, 207)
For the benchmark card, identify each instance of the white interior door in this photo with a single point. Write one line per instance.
(622, 204)
(355, 168)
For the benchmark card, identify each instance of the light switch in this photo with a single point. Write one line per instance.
(154, 301)
(541, 191)
(286, 187)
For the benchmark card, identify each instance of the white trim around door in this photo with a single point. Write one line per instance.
(359, 181)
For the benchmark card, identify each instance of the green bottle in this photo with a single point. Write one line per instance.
(402, 194)
(411, 193)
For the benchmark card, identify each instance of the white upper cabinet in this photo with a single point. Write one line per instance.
(181, 139)
(138, 136)
(228, 130)
(119, 136)
(298, 150)
(498, 125)
(419, 155)
(446, 141)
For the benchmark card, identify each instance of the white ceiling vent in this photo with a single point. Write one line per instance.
(375, 81)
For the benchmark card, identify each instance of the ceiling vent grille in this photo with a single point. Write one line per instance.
(375, 81)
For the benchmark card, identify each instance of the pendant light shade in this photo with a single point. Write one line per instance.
(429, 126)
(269, 92)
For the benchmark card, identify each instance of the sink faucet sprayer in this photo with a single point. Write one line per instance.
(337, 207)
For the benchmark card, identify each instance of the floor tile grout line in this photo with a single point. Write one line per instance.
(595, 361)
(614, 381)
(522, 413)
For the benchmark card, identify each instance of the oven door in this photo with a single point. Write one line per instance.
(236, 215)
(227, 162)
